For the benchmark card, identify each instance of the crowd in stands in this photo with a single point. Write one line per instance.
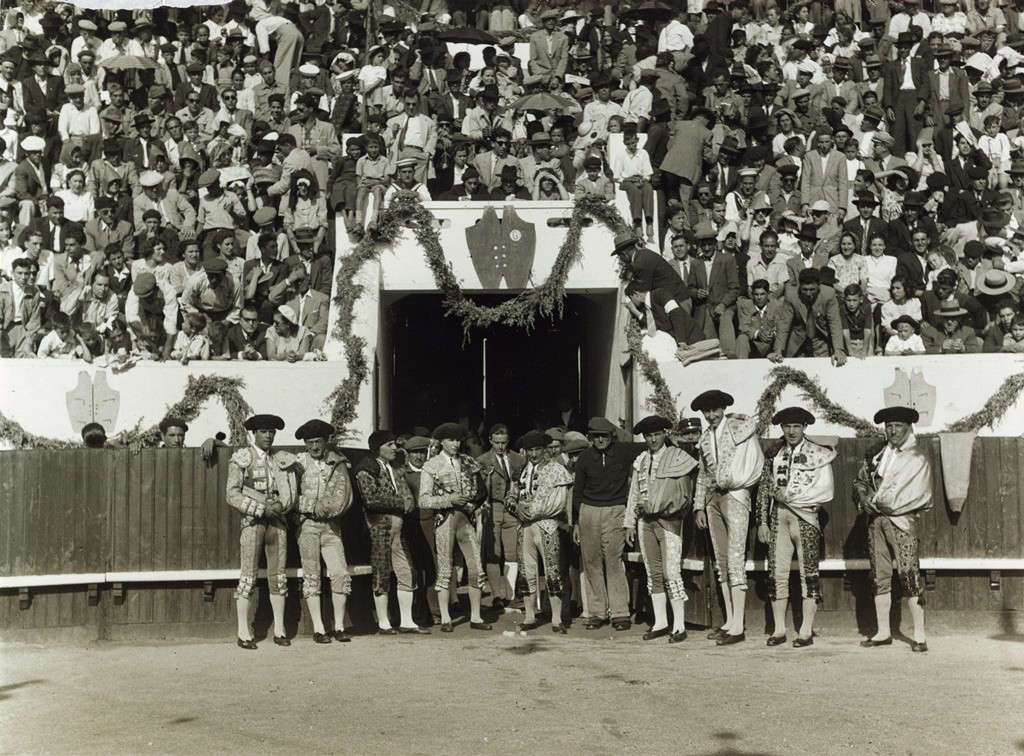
(822, 179)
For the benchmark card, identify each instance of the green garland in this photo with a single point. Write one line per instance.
(661, 401)
(545, 300)
(198, 391)
(782, 377)
(997, 405)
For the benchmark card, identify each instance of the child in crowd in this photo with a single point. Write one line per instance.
(62, 341)
(936, 264)
(593, 184)
(548, 187)
(907, 339)
(217, 335)
(191, 342)
(344, 194)
(995, 145)
(857, 322)
(632, 171)
(372, 178)
(1014, 340)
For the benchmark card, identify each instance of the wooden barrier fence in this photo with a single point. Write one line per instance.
(109, 538)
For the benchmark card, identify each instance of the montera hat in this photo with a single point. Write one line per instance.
(791, 415)
(534, 440)
(314, 429)
(907, 415)
(449, 432)
(264, 422)
(709, 400)
(651, 424)
(172, 422)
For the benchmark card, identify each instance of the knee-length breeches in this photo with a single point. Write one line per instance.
(728, 522)
(456, 528)
(271, 538)
(541, 547)
(661, 545)
(323, 540)
(789, 535)
(888, 548)
(389, 553)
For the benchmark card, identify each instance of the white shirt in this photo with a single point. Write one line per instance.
(18, 294)
(675, 37)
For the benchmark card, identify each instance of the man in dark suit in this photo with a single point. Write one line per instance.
(976, 198)
(715, 279)
(941, 292)
(499, 467)
(260, 277)
(31, 179)
(51, 228)
(659, 310)
(902, 229)
(905, 94)
(958, 93)
(319, 268)
(41, 91)
(704, 66)
(810, 324)
(811, 255)
(311, 307)
(142, 150)
(866, 224)
(649, 270)
(247, 339)
(471, 188)
(208, 97)
(758, 321)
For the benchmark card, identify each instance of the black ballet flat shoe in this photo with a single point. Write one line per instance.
(655, 634)
(717, 634)
(498, 605)
(479, 626)
(387, 631)
(559, 629)
(869, 643)
(594, 623)
(775, 640)
(248, 645)
(281, 641)
(447, 627)
(731, 640)
(620, 625)
(677, 637)
(321, 638)
(803, 642)
(413, 631)
(919, 648)
(341, 636)
(529, 626)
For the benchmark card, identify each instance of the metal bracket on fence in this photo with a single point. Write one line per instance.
(118, 589)
(208, 591)
(24, 599)
(994, 580)
(929, 580)
(94, 594)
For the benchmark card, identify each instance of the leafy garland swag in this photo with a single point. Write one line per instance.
(198, 391)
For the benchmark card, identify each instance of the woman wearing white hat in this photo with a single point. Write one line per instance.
(287, 341)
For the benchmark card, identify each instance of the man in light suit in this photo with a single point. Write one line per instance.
(20, 310)
(824, 175)
(715, 278)
(311, 307)
(810, 324)
(174, 210)
(972, 267)
(500, 467)
(549, 49)
(414, 135)
(758, 319)
(490, 164)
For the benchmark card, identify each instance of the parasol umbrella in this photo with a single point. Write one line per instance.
(128, 62)
(468, 36)
(650, 11)
(539, 101)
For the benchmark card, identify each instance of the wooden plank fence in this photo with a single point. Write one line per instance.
(83, 513)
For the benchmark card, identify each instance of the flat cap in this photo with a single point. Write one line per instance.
(417, 443)
(33, 144)
(314, 429)
(172, 422)
(556, 434)
(215, 264)
(264, 422)
(574, 443)
(208, 177)
(144, 285)
(534, 440)
(651, 424)
(882, 137)
(600, 425)
(449, 431)
(117, 26)
(150, 178)
(709, 400)
(264, 216)
(151, 214)
(793, 415)
(907, 415)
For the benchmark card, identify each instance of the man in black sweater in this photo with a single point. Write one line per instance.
(599, 503)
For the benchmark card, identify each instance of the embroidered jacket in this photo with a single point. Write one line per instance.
(254, 479)
(896, 483)
(732, 463)
(666, 493)
(380, 497)
(324, 489)
(541, 494)
(804, 474)
(439, 483)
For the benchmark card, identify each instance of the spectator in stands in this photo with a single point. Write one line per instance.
(952, 337)
(20, 310)
(247, 339)
(906, 338)
(758, 320)
(810, 324)
(286, 340)
(715, 279)
(94, 436)
(858, 321)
